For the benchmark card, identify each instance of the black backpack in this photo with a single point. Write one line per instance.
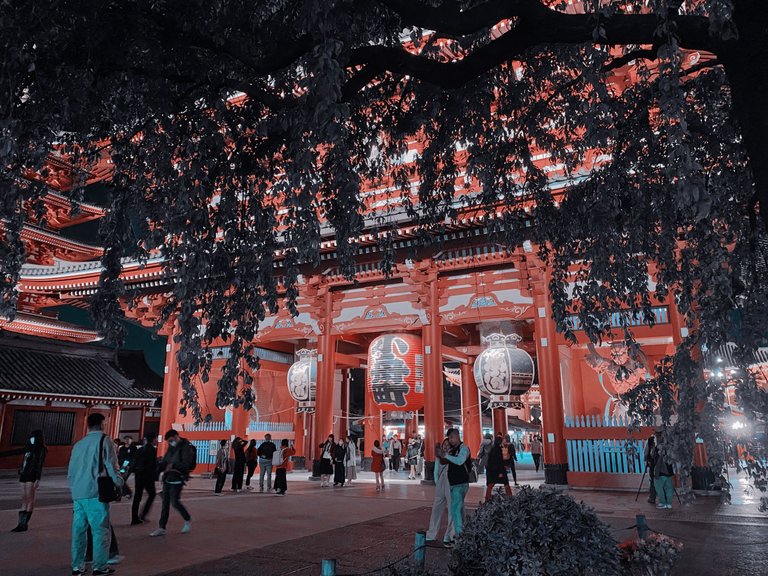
(189, 457)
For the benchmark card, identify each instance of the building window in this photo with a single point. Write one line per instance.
(57, 427)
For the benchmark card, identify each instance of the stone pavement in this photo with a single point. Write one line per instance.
(264, 535)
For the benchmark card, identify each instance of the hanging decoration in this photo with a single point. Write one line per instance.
(396, 372)
(503, 372)
(302, 380)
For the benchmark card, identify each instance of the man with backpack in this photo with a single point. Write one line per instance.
(176, 465)
(459, 463)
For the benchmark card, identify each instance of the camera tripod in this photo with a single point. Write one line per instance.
(642, 480)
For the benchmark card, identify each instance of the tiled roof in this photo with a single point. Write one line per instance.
(42, 372)
(133, 365)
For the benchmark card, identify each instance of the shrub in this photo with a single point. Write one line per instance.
(535, 533)
(654, 556)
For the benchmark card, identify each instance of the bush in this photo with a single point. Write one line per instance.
(654, 556)
(535, 533)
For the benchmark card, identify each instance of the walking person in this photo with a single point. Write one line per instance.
(176, 465)
(441, 502)
(378, 465)
(420, 461)
(650, 468)
(145, 469)
(536, 452)
(496, 470)
(457, 457)
(339, 467)
(30, 472)
(222, 467)
(93, 456)
(510, 456)
(662, 473)
(265, 452)
(251, 461)
(281, 469)
(350, 462)
(238, 447)
(484, 452)
(412, 458)
(326, 460)
(125, 456)
(397, 448)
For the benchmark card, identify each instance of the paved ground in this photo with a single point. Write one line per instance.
(264, 535)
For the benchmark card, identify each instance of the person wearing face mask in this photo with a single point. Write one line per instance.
(176, 465)
(30, 471)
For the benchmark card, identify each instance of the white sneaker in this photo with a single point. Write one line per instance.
(187, 527)
(158, 532)
(116, 559)
(668, 506)
(661, 506)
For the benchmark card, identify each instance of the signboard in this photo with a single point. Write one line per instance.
(306, 407)
(506, 401)
(213, 447)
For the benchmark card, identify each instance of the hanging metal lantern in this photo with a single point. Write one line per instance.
(302, 380)
(396, 372)
(503, 372)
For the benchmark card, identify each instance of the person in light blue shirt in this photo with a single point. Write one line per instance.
(458, 476)
(88, 510)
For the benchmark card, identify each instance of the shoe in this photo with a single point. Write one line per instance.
(448, 543)
(249, 487)
(157, 532)
(651, 501)
(661, 506)
(136, 521)
(103, 572)
(218, 494)
(116, 559)
(668, 506)
(79, 572)
(187, 527)
(23, 521)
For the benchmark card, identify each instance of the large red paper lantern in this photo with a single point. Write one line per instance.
(503, 371)
(396, 372)
(302, 380)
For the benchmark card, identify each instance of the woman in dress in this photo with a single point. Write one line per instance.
(377, 465)
(496, 469)
(30, 471)
(326, 460)
(351, 461)
(412, 456)
(339, 463)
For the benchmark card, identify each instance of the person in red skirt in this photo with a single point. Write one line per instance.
(377, 466)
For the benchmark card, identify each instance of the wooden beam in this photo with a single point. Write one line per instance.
(348, 361)
(455, 355)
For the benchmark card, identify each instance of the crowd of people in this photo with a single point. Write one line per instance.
(100, 466)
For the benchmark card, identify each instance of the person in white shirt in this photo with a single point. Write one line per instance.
(88, 510)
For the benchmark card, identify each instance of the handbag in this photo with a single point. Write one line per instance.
(108, 490)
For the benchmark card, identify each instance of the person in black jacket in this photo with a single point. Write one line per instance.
(339, 457)
(30, 471)
(125, 457)
(496, 469)
(144, 467)
(176, 466)
(238, 447)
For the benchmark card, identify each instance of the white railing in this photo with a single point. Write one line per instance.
(270, 427)
(216, 426)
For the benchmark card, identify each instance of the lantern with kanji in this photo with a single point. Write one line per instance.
(302, 380)
(396, 372)
(503, 372)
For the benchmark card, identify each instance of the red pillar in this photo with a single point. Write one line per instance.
(555, 455)
(344, 422)
(500, 422)
(470, 410)
(298, 433)
(171, 391)
(372, 422)
(434, 416)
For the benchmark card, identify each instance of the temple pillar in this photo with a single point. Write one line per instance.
(171, 391)
(555, 455)
(470, 410)
(434, 416)
(372, 427)
(500, 422)
(344, 421)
